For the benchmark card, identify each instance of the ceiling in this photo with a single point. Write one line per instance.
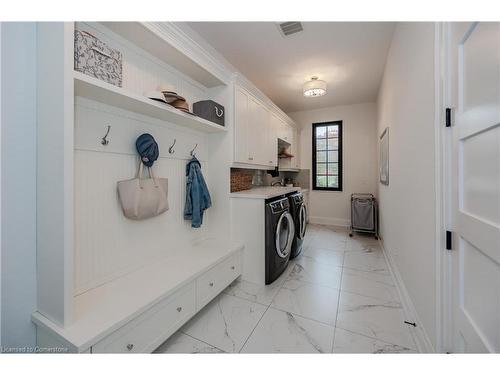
(349, 56)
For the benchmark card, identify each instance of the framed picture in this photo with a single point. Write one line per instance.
(384, 157)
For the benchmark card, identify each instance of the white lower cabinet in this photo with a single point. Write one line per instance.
(216, 280)
(146, 332)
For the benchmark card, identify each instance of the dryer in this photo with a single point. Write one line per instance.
(299, 215)
(280, 232)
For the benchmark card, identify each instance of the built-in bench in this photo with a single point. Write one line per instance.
(137, 312)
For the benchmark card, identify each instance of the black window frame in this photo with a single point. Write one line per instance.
(339, 151)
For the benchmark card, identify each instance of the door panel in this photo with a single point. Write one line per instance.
(481, 166)
(240, 125)
(475, 51)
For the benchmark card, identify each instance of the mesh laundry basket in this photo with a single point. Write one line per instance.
(364, 214)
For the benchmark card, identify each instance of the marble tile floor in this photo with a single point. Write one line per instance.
(337, 296)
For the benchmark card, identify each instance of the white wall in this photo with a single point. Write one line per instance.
(359, 158)
(18, 168)
(407, 205)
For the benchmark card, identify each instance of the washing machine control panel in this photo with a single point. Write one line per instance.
(279, 206)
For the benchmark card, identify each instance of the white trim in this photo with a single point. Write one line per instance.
(336, 221)
(422, 341)
(443, 293)
(1, 24)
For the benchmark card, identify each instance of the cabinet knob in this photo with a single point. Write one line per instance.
(211, 283)
(232, 267)
(179, 309)
(130, 347)
(250, 158)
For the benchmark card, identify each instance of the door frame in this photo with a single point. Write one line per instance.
(445, 324)
(443, 189)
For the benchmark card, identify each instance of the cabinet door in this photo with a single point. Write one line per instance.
(296, 149)
(254, 132)
(284, 131)
(272, 140)
(241, 119)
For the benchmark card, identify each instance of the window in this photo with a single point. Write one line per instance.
(327, 155)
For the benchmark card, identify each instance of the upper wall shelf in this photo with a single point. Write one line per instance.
(94, 89)
(155, 41)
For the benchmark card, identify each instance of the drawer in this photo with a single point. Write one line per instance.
(147, 331)
(217, 279)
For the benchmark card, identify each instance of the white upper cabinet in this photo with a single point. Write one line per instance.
(272, 139)
(241, 118)
(284, 131)
(295, 162)
(255, 140)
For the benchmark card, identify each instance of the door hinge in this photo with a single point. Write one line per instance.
(448, 117)
(448, 240)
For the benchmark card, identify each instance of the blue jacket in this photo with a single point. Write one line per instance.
(197, 195)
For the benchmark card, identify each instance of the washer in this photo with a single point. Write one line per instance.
(280, 232)
(298, 212)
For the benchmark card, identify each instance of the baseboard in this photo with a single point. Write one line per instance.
(329, 221)
(422, 341)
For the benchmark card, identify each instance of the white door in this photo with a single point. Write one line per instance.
(474, 76)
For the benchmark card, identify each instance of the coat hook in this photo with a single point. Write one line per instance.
(105, 141)
(171, 148)
(192, 151)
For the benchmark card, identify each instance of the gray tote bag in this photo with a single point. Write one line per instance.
(142, 198)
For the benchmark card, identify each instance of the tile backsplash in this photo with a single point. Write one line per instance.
(301, 178)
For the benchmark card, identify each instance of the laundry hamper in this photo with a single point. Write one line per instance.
(364, 215)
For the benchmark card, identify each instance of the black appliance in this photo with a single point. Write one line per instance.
(280, 232)
(298, 211)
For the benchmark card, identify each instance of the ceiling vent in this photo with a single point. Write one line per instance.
(289, 28)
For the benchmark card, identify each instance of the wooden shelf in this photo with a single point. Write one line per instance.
(95, 89)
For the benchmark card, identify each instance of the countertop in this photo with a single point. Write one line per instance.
(265, 192)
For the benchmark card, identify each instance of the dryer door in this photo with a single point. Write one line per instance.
(302, 222)
(285, 230)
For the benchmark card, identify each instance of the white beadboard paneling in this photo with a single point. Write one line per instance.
(93, 118)
(108, 245)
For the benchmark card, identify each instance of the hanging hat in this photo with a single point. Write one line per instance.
(147, 148)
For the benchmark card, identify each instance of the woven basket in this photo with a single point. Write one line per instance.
(240, 180)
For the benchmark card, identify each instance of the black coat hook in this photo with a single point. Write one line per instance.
(105, 140)
(192, 151)
(171, 148)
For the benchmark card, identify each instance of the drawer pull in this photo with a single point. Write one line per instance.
(232, 267)
(130, 347)
(211, 283)
(179, 309)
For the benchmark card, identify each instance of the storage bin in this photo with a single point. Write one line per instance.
(209, 110)
(94, 58)
(364, 216)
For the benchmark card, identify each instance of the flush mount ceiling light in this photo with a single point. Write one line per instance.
(314, 87)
